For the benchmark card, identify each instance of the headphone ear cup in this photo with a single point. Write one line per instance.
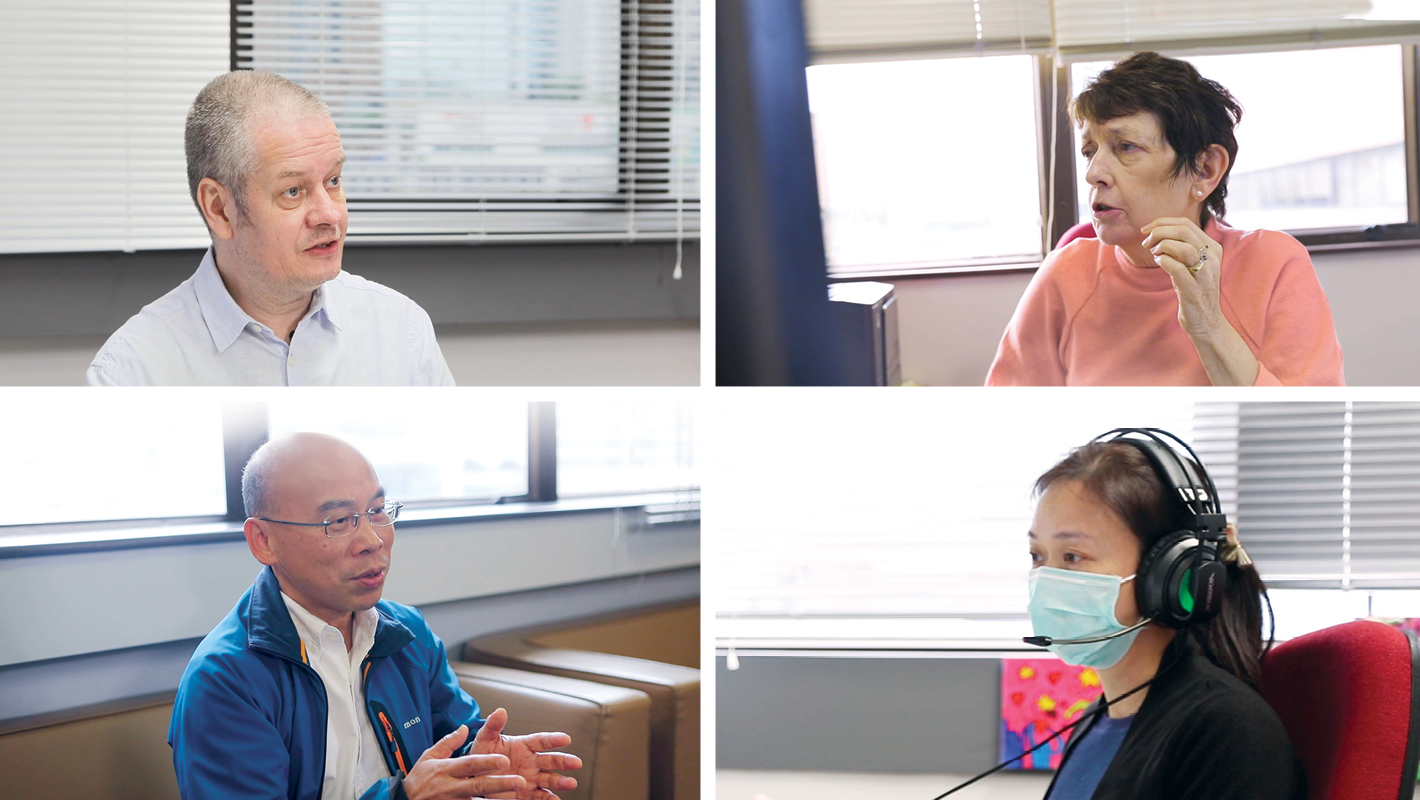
(1164, 587)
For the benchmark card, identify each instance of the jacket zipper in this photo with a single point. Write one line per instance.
(396, 756)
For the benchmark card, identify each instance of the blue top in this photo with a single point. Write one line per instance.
(356, 333)
(1091, 756)
(250, 716)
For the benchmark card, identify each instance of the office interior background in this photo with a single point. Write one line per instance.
(947, 166)
(871, 559)
(122, 543)
(527, 173)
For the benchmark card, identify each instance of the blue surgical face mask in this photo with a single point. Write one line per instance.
(1065, 604)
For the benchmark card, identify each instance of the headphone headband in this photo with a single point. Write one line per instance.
(1181, 578)
(1184, 479)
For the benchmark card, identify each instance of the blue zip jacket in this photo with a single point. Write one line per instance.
(250, 716)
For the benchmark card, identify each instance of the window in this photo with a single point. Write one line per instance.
(465, 121)
(1348, 170)
(855, 525)
(918, 161)
(625, 447)
(173, 459)
(445, 447)
(73, 457)
(500, 119)
(94, 96)
(900, 195)
(848, 529)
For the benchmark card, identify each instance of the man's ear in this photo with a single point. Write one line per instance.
(259, 540)
(219, 207)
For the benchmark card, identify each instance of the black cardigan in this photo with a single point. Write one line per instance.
(1201, 734)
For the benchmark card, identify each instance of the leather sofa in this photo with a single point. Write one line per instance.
(674, 689)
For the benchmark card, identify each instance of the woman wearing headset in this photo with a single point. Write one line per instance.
(1112, 545)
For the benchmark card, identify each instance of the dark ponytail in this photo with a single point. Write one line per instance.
(1120, 476)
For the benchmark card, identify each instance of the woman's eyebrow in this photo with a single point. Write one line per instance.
(1064, 535)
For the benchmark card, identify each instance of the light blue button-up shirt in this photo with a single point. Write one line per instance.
(356, 333)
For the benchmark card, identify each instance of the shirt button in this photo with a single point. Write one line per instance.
(291, 362)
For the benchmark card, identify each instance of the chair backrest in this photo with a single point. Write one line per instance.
(1084, 230)
(117, 750)
(610, 726)
(674, 691)
(1348, 698)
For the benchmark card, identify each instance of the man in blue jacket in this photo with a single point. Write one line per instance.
(312, 686)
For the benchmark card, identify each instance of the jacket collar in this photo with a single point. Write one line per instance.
(270, 628)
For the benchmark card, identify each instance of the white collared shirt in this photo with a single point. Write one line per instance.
(356, 333)
(353, 761)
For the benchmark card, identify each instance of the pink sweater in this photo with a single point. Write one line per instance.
(1090, 318)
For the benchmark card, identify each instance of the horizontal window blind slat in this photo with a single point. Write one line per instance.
(485, 101)
(95, 95)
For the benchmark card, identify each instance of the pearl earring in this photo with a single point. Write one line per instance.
(1198, 192)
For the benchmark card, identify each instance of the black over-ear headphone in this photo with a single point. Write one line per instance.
(1181, 576)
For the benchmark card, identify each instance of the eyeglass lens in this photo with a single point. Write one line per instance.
(345, 523)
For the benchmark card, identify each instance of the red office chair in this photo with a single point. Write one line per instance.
(1349, 697)
(1085, 230)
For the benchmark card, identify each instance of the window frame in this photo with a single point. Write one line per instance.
(245, 427)
(1058, 181)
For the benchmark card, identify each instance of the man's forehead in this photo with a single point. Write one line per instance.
(297, 171)
(297, 147)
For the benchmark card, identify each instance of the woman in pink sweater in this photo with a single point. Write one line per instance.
(1167, 295)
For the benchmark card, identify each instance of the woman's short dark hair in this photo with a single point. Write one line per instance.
(1193, 112)
(1121, 477)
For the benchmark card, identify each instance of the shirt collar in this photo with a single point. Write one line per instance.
(325, 301)
(310, 627)
(225, 319)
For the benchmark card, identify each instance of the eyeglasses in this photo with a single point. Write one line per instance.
(338, 525)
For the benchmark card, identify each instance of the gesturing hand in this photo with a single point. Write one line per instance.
(529, 759)
(1178, 246)
(439, 776)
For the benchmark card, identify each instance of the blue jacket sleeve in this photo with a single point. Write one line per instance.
(224, 744)
(451, 705)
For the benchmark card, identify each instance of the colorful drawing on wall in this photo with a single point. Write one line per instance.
(1039, 696)
(1411, 624)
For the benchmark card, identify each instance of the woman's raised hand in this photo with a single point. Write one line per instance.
(1192, 259)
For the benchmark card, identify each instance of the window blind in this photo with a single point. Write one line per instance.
(872, 30)
(849, 514)
(1086, 29)
(94, 95)
(876, 30)
(500, 119)
(1383, 511)
(1325, 495)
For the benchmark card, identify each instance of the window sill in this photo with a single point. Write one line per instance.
(1341, 240)
(41, 540)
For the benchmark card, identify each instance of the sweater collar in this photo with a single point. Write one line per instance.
(1148, 279)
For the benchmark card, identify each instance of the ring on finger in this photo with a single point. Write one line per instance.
(1202, 259)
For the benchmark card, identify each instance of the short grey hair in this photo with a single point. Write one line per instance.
(256, 482)
(218, 138)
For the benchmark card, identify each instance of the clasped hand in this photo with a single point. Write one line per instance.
(498, 766)
(1176, 244)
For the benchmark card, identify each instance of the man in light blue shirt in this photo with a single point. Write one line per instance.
(270, 305)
